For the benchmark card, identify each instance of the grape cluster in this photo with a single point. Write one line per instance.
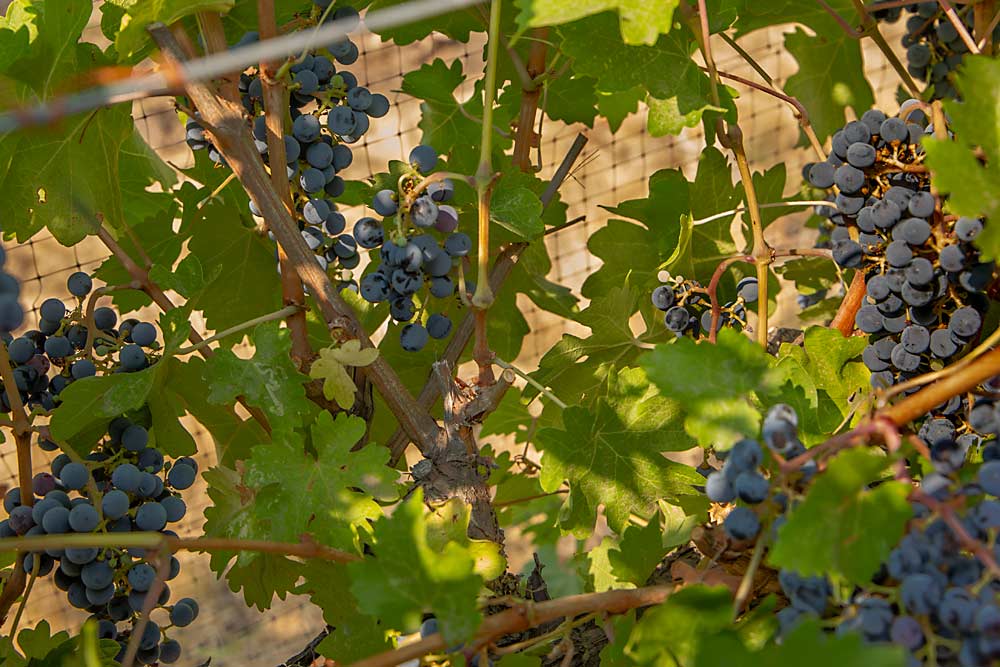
(687, 307)
(123, 485)
(11, 314)
(412, 264)
(328, 111)
(942, 597)
(49, 358)
(934, 49)
(741, 476)
(925, 283)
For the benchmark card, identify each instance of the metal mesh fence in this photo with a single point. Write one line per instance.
(613, 168)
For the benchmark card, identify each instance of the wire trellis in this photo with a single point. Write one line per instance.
(614, 168)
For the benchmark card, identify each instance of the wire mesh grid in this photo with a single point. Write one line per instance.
(612, 169)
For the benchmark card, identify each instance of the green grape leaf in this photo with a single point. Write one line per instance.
(535, 517)
(664, 69)
(284, 493)
(971, 182)
(806, 644)
(599, 567)
(259, 576)
(452, 127)
(407, 575)
(448, 522)
(713, 382)
(691, 371)
(268, 380)
(824, 373)
(241, 261)
(667, 237)
(643, 547)
(830, 78)
(93, 402)
(638, 552)
(511, 416)
(457, 25)
(139, 168)
(65, 175)
(243, 17)
(517, 209)
(642, 22)
(571, 99)
(133, 37)
(616, 107)
(39, 642)
(355, 635)
(611, 453)
(870, 522)
(297, 492)
(674, 632)
(165, 408)
(611, 343)
(187, 278)
(667, 118)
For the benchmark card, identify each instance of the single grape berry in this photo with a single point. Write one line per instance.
(79, 284)
(413, 337)
(741, 524)
(424, 158)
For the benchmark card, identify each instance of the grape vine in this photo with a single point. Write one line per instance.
(330, 353)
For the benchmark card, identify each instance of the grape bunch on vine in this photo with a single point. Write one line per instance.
(321, 346)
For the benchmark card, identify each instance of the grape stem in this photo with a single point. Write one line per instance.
(275, 110)
(773, 89)
(528, 499)
(22, 442)
(162, 564)
(88, 316)
(485, 180)
(959, 26)
(843, 321)
(525, 137)
(780, 204)
(36, 566)
(731, 136)
(502, 268)
(530, 380)
(527, 615)
(841, 21)
(985, 25)
(762, 252)
(435, 178)
(713, 288)
(285, 312)
(746, 583)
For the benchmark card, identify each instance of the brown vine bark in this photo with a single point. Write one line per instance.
(528, 615)
(526, 136)
(275, 108)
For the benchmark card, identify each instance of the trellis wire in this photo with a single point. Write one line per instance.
(225, 62)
